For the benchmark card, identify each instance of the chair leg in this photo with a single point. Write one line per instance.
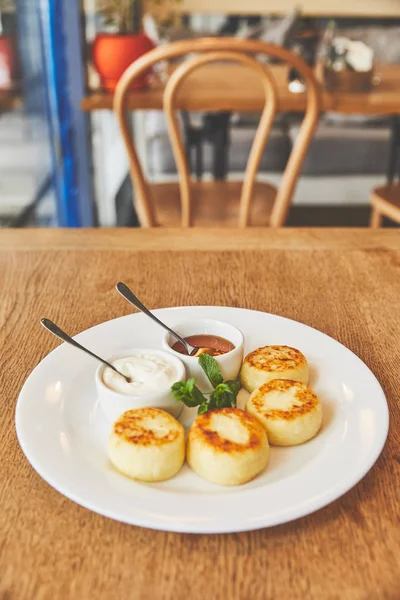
(376, 218)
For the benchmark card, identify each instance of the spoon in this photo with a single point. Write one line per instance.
(55, 330)
(130, 296)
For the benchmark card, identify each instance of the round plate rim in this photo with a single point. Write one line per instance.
(214, 528)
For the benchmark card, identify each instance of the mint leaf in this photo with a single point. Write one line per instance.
(188, 393)
(221, 396)
(234, 385)
(202, 408)
(225, 394)
(190, 384)
(198, 396)
(211, 369)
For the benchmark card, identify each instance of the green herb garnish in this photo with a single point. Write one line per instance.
(187, 392)
(223, 396)
(211, 369)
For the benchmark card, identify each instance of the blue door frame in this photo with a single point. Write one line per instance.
(64, 70)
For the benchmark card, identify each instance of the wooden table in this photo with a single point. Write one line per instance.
(344, 282)
(236, 88)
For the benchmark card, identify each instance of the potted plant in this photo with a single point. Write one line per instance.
(347, 65)
(113, 52)
(8, 54)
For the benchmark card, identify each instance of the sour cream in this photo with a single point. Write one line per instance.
(149, 373)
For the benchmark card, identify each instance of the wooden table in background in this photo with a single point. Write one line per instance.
(235, 88)
(344, 282)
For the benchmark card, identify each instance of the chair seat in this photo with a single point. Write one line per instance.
(214, 203)
(386, 200)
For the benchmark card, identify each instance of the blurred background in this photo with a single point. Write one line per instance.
(62, 159)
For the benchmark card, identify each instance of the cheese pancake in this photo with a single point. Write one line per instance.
(273, 362)
(147, 444)
(227, 446)
(289, 411)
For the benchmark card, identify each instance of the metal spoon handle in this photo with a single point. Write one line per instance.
(130, 296)
(55, 330)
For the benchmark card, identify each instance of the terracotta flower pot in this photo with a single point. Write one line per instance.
(113, 53)
(9, 70)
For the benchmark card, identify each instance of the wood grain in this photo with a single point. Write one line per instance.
(327, 8)
(344, 282)
(115, 240)
(235, 88)
(214, 204)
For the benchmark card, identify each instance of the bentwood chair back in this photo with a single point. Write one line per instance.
(217, 203)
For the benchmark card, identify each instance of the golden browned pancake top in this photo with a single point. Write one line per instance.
(202, 429)
(275, 358)
(305, 399)
(142, 426)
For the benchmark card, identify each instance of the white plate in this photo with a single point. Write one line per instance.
(64, 434)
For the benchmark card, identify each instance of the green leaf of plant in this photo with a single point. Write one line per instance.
(211, 369)
(225, 394)
(202, 408)
(211, 402)
(234, 385)
(198, 396)
(190, 384)
(220, 396)
(177, 385)
(188, 393)
(221, 401)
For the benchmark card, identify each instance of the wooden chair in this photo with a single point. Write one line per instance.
(220, 202)
(385, 202)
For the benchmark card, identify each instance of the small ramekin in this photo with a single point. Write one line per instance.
(229, 363)
(115, 403)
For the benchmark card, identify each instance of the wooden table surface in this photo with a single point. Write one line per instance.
(344, 282)
(235, 88)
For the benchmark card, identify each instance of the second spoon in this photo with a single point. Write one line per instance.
(132, 299)
(55, 330)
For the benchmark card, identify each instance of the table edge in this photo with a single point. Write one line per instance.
(196, 239)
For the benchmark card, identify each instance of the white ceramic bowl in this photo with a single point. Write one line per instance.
(229, 363)
(115, 403)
